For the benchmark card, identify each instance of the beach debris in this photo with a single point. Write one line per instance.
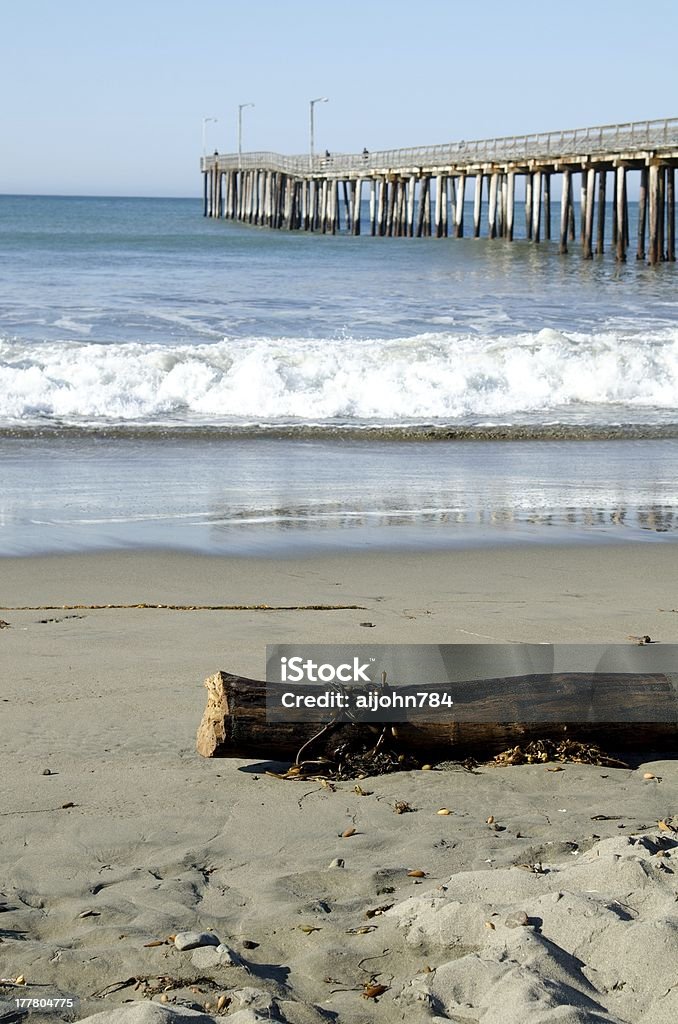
(20, 980)
(364, 929)
(348, 832)
(649, 775)
(444, 810)
(554, 768)
(517, 919)
(222, 1001)
(308, 929)
(416, 873)
(4, 625)
(116, 986)
(146, 606)
(155, 942)
(159, 985)
(373, 991)
(490, 925)
(641, 639)
(666, 826)
(402, 807)
(369, 625)
(378, 911)
(348, 760)
(426, 768)
(338, 862)
(359, 791)
(192, 940)
(490, 820)
(250, 944)
(542, 751)
(89, 913)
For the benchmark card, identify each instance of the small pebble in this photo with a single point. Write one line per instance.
(46, 771)
(518, 919)
(207, 957)
(444, 810)
(338, 862)
(347, 833)
(191, 940)
(250, 944)
(648, 775)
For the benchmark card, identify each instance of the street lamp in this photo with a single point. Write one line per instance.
(320, 99)
(241, 107)
(204, 133)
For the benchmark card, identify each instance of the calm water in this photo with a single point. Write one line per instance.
(168, 380)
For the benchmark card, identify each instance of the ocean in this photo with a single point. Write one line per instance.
(176, 382)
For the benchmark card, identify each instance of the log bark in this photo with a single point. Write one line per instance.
(490, 715)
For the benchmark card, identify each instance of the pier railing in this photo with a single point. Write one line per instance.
(632, 137)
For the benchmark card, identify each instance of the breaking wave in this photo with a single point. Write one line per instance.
(428, 378)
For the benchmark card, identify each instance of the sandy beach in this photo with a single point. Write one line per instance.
(117, 835)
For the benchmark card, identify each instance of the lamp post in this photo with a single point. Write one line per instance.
(320, 99)
(241, 107)
(204, 133)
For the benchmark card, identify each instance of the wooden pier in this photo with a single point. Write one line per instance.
(425, 192)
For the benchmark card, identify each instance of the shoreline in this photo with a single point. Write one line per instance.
(633, 430)
(266, 496)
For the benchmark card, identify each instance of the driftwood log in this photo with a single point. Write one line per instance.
(620, 712)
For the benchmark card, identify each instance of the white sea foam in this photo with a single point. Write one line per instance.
(433, 376)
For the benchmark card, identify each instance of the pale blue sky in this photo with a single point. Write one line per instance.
(108, 96)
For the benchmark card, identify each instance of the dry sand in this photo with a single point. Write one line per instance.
(158, 841)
